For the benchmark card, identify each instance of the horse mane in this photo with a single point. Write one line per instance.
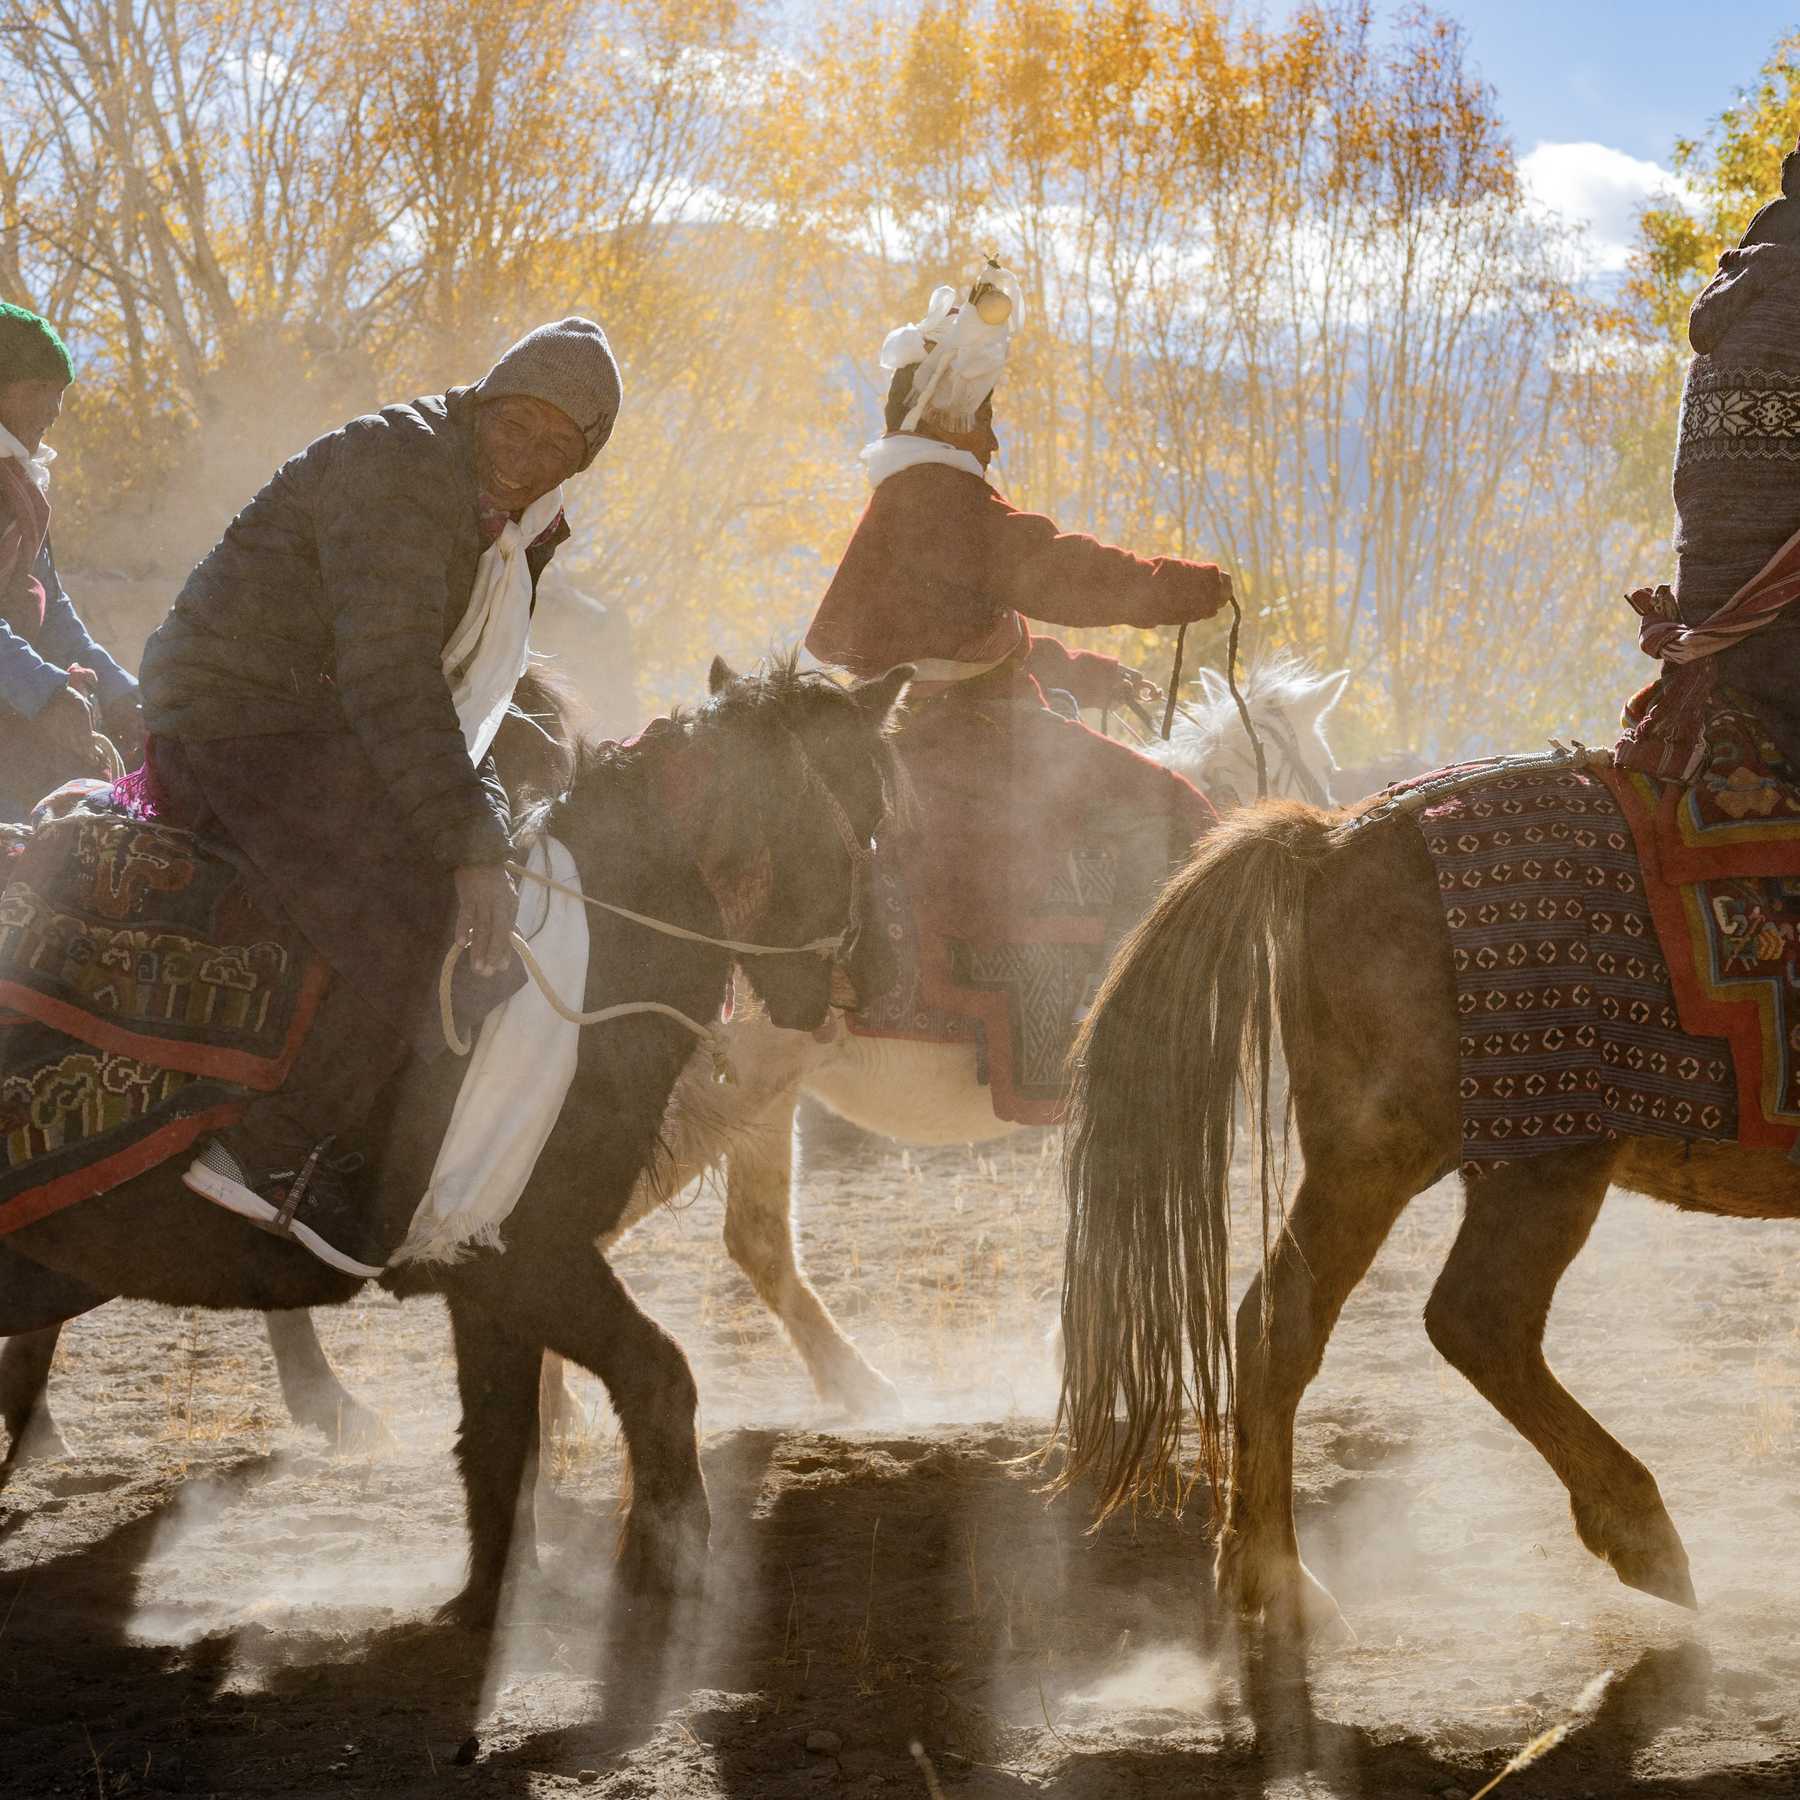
(1277, 679)
(535, 747)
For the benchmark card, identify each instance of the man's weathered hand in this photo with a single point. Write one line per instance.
(487, 903)
(69, 725)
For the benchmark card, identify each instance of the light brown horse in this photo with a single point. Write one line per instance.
(1284, 916)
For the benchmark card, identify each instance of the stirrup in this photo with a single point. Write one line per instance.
(217, 1175)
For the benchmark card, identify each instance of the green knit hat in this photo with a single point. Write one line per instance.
(30, 350)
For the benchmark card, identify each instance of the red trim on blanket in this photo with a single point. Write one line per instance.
(988, 1008)
(1741, 1019)
(262, 1073)
(97, 1178)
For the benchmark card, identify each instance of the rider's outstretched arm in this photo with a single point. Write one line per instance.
(1066, 578)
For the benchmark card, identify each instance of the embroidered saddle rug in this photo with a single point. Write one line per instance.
(1015, 1000)
(143, 995)
(1624, 951)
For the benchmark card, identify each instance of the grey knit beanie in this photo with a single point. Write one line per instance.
(570, 365)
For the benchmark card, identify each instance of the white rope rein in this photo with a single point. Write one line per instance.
(825, 946)
(710, 1036)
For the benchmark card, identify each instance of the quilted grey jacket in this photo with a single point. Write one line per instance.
(325, 608)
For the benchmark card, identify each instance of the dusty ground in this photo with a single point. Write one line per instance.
(204, 1600)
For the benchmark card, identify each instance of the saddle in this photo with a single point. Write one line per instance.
(144, 995)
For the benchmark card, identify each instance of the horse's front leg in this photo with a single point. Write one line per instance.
(1335, 1226)
(759, 1236)
(496, 1450)
(565, 1296)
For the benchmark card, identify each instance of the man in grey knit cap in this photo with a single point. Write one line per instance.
(321, 698)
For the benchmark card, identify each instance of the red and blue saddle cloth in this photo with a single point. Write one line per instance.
(1625, 949)
(144, 996)
(1000, 885)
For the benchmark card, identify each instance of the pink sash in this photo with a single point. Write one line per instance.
(24, 524)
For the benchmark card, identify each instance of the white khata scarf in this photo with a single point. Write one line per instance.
(487, 652)
(524, 1058)
(37, 467)
(517, 1079)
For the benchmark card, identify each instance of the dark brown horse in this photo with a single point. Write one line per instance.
(534, 754)
(1282, 915)
(747, 820)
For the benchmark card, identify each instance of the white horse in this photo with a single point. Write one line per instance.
(921, 1093)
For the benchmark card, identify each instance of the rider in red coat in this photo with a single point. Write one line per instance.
(942, 572)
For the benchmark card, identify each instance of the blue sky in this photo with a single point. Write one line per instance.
(1596, 92)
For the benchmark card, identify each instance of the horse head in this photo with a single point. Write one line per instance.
(1287, 701)
(804, 781)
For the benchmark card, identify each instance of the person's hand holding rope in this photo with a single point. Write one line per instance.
(487, 905)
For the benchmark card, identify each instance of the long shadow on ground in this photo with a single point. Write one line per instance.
(867, 1594)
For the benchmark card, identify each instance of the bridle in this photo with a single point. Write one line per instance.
(835, 947)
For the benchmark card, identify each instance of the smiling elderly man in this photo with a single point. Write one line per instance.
(322, 697)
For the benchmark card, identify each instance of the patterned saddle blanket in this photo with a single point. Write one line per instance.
(1016, 1001)
(143, 996)
(1626, 951)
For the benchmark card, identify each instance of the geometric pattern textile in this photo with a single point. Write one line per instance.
(1568, 1029)
(1017, 1001)
(1722, 862)
(135, 937)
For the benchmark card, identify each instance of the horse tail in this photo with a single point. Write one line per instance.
(1187, 1014)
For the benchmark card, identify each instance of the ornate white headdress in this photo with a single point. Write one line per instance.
(960, 346)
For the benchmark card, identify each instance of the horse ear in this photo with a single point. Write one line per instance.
(1214, 686)
(721, 674)
(1327, 691)
(879, 697)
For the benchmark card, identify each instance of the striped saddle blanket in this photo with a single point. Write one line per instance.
(1625, 950)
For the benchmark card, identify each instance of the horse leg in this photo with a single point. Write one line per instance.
(759, 1235)
(314, 1395)
(496, 1452)
(1337, 1222)
(586, 1314)
(24, 1401)
(1522, 1227)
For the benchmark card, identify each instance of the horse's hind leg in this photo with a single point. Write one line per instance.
(24, 1399)
(1337, 1222)
(759, 1235)
(1522, 1227)
(314, 1395)
(496, 1450)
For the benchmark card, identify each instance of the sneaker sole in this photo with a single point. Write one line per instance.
(247, 1204)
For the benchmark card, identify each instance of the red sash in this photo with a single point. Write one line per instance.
(24, 524)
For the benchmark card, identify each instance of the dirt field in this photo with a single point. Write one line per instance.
(204, 1600)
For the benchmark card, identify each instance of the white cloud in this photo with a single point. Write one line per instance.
(1600, 188)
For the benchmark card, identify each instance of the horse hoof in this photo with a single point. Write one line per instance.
(1662, 1574)
(474, 1609)
(1644, 1549)
(39, 1442)
(864, 1393)
(1279, 1594)
(662, 1554)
